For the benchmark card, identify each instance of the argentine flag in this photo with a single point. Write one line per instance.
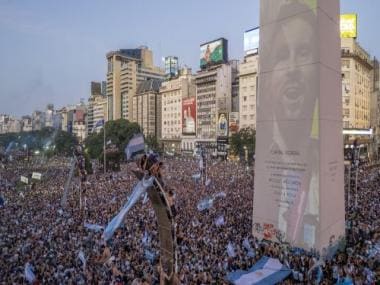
(135, 145)
(267, 271)
(140, 188)
(98, 124)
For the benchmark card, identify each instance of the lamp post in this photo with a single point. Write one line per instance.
(104, 148)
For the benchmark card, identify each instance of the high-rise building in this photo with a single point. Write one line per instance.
(171, 67)
(38, 120)
(96, 88)
(147, 107)
(214, 100)
(9, 124)
(375, 110)
(356, 84)
(97, 106)
(126, 69)
(26, 122)
(49, 114)
(172, 93)
(247, 91)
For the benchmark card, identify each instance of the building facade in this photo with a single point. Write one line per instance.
(172, 93)
(248, 91)
(26, 122)
(356, 85)
(97, 107)
(214, 98)
(147, 107)
(126, 69)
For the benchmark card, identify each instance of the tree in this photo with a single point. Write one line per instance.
(118, 133)
(152, 142)
(244, 138)
(49, 140)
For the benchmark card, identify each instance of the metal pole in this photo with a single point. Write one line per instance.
(104, 148)
(349, 185)
(356, 187)
(80, 194)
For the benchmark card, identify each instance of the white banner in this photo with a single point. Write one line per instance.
(36, 175)
(24, 179)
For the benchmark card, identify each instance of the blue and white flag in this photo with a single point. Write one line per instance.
(196, 176)
(29, 274)
(220, 195)
(98, 124)
(93, 227)
(247, 246)
(219, 221)
(231, 250)
(205, 204)
(9, 147)
(82, 258)
(145, 198)
(139, 190)
(149, 255)
(135, 145)
(266, 271)
(146, 239)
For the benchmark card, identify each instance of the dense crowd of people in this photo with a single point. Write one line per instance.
(65, 245)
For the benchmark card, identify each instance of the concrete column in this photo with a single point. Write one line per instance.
(299, 189)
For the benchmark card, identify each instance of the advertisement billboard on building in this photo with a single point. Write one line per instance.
(222, 125)
(189, 116)
(348, 25)
(171, 66)
(214, 52)
(251, 41)
(234, 122)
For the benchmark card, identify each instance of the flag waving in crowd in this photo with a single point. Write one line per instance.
(135, 145)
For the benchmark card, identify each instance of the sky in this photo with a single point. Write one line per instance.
(51, 50)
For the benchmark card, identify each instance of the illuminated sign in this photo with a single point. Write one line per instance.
(214, 52)
(348, 26)
(251, 41)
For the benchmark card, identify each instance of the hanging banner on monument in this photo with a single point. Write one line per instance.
(299, 195)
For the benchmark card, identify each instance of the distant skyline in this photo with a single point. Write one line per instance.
(51, 50)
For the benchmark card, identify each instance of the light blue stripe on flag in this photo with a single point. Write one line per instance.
(139, 190)
(267, 271)
(98, 124)
(135, 145)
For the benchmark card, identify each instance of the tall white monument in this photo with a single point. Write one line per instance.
(299, 189)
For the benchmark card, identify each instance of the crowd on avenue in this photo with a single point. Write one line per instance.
(65, 246)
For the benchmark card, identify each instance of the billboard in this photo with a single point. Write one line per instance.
(171, 66)
(348, 25)
(189, 116)
(214, 52)
(222, 125)
(234, 122)
(299, 189)
(251, 41)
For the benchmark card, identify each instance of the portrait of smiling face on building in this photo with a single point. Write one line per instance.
(288, 130)
(289, 77)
